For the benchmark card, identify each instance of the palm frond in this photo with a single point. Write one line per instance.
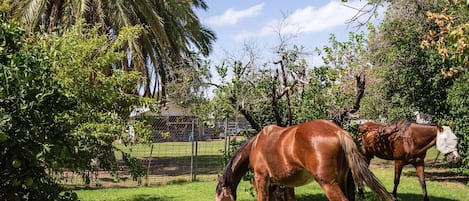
(172, 29)
(31, 11)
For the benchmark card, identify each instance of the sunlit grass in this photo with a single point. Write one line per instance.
(173, 149)
(409, 189)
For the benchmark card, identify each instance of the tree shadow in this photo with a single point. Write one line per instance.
(441, 176)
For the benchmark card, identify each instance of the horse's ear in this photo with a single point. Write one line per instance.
(451, 124)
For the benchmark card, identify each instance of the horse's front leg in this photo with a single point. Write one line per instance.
(419, 168)
(280, 193)
(261, 185)
(398, 165)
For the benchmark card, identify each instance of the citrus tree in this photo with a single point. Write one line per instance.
(58, 111)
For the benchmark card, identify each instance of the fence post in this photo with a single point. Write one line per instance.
(226, 136)
(194, 138)
(149, 164)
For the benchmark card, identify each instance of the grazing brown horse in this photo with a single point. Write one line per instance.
(294, 156)
(406, 143)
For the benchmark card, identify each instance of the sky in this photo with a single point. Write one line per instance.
(257, 22)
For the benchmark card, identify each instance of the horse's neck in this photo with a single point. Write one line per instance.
(425, 135)
(239, 164)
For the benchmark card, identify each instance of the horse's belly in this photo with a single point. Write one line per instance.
(296, 178)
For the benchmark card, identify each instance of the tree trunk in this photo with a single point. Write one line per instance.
(339, 117)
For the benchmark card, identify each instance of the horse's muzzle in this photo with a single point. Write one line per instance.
(453, 157)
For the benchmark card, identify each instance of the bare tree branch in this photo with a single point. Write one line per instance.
(342, 113)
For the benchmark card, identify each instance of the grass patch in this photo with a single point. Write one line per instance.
(172, 149)
(409, 189)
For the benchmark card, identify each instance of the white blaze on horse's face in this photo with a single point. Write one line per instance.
(447, 143)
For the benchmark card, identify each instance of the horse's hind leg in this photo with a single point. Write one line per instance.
(277, 193)
(290, 193)
(398, 165)
(419, 168)
(280, 193)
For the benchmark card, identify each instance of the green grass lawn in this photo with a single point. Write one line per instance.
(409, 189)
(173, 149)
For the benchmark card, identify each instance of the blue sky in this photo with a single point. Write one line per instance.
(257, 22)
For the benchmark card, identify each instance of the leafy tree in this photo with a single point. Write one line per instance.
(103, 101)
(33, 120)
(410, 75)
(421, 48)
(350, 62)
(288, 91)
(172, 31)
(61, 109)
(449, 36)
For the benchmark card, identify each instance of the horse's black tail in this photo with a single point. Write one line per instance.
(359, 167)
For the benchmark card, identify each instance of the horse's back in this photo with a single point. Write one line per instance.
(286, 152)
(273, 134)
(392, 142)
(369, 127)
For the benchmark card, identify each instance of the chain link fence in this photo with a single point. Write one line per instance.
(183, 150)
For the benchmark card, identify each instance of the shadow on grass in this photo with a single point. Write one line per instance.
(372, 197)
(441, 176)
(315, 197)
(408, 196)
(148, 197)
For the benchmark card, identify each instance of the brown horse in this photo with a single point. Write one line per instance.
(406, 143)
(294, 156)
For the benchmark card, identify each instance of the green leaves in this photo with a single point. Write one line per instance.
(60, 107)
(29, 100)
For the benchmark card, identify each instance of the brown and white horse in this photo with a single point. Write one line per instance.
(293, 156)
(406, 143)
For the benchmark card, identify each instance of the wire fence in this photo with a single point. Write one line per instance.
(183, 150)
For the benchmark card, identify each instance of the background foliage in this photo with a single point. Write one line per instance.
(31, 130)
(60, 111)
(414, 62)
(65, 96)
(419, 52)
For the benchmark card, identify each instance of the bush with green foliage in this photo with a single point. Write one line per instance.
(60, 109)
(458, 100)
(34, 111)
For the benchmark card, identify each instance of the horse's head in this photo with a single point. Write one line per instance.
(224, 191)
(447, 143)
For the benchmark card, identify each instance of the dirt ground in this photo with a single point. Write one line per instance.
(160, 170)
(434, 171)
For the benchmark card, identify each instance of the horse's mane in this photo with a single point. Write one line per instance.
(428, 124)
(227, 176)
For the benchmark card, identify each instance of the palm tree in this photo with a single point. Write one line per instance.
(172, 31)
